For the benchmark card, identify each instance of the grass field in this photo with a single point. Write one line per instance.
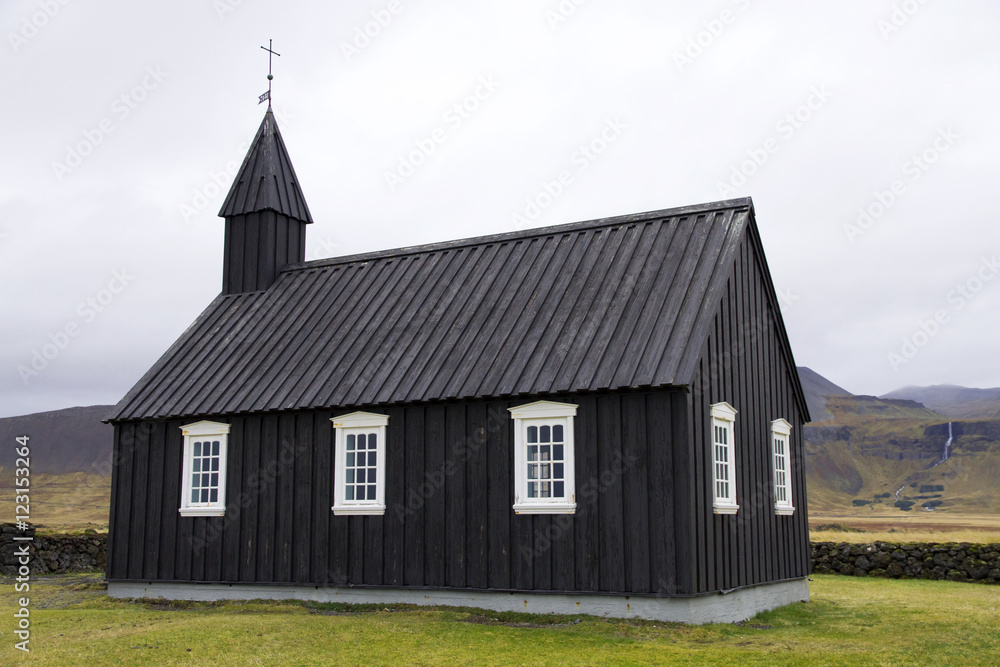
(850, 621)
(62, 503)
(913, 527)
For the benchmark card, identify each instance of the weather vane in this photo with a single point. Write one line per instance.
(267, 96)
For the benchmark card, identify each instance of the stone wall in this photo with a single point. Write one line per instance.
(52, 554)
(954, 562)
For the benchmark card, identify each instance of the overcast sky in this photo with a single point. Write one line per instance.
(865, 131)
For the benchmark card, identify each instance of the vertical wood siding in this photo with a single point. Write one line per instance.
(743, 363)
(449, 492)
(257, 246)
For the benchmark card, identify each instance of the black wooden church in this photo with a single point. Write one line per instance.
(602, 416)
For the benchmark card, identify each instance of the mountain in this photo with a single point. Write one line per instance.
(954, 401)
(61, 441)
(817, 388)
(890, 454)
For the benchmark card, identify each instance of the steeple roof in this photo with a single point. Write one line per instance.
(267, 181)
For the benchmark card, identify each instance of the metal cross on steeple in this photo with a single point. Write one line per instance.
(270, 77)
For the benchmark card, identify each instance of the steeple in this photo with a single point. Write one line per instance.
(266, 215)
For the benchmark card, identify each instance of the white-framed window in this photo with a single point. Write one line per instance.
(723, 459)
(359, 464)
(204, 485)
(781, 465)
(544, 476)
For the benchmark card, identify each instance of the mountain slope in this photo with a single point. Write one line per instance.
(816, 388)
(954, 401)
(897, 455)
(61, 441)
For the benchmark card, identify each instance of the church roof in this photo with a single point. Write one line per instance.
(623, 302)
(266, 180)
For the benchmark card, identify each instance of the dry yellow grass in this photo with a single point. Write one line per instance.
(899, 527)
(62, 503)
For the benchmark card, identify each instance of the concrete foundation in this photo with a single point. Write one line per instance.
(713, 608)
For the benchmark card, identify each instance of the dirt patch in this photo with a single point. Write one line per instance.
(480, 619)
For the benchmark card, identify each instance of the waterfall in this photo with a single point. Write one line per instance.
(947, 447)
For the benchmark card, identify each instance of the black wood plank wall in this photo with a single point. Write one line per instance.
(743, 363)
(449, 491)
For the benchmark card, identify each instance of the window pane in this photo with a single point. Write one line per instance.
(204, 495)
(350, 460)
(197, 449)
(197, 465)
(371, 493)
(533, 453)
(532, 434)
(560, 489)
(532, 471)
(557, 471)
(532, 489)
(361, 441)
(350, 443)
(215, 465)
(545, 452)
(546, 491)
(215, 480)
(350, 492)
(361, 459)
(194, 495)
(371, 475)
(557, 433)
(215, 448)
(204, 479)
(350, 476)
(546, 472)
(557, 453)
(546, 434)
(214, 496)
(371, 441)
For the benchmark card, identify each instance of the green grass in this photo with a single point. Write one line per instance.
(849, 621)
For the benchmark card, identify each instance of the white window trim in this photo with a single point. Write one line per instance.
(524, 416)
(197, 431)
(780, 428)
(343, 425)
(724, 415)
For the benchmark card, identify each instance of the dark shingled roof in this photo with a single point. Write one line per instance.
(267, 181)
(607, 304)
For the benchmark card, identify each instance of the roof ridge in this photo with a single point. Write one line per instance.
(536, 232)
